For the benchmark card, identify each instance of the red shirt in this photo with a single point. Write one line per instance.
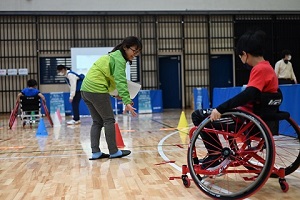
(262, 77)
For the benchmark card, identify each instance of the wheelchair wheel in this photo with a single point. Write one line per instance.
(287, 145)
(246, 156)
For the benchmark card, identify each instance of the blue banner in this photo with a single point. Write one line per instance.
(201, 99)
(147, 101)
(57, 102)
(144, 101)
(290, 103)
(117, 105)
(156, 101)
(221, 95)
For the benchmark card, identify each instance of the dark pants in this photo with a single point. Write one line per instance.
(283, 81)
(75, 106)
(102, 115)
(211, 141)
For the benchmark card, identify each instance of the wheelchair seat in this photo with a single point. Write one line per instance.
(30, 109)
(280, 115)
(267, 107)
(268, 103)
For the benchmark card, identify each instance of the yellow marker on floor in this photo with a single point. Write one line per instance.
(183, 128)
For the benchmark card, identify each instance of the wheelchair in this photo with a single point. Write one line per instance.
(30, 111)
(250, 154)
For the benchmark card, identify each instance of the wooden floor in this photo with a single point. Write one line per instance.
(56, 166)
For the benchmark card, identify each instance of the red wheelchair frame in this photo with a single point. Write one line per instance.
(14, 114)
(248, 156)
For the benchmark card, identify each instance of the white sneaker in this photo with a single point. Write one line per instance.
(73, 122)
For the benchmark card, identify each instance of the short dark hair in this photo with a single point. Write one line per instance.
(129, 42)
(31, 83)
(60, 67)
(285, 52)
(252, 42)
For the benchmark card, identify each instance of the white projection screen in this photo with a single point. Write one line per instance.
(83, 58)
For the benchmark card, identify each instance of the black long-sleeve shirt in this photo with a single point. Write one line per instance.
(250, 94)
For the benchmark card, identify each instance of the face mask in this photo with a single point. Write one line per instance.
(247, 66)
(289, 57)
(286, 61)
(60, 74)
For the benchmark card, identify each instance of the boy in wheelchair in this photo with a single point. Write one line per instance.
(29, 99)
(260, 96)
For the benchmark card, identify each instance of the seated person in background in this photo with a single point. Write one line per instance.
(250, 49)
(31, 91)
(284, 69)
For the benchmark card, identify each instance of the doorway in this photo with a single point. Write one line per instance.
(221, 70)
(170, 81)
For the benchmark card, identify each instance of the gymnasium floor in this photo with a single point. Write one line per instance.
(56, 166)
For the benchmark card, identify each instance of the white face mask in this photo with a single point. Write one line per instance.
(289, 57)
(60, 74)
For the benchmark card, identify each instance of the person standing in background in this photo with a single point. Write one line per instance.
(74, 81)
(107, 74)
(284, 69)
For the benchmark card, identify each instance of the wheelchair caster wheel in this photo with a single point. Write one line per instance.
(186, 181)
(283, 185)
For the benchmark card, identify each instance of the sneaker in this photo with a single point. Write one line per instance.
(73, 122)
(210, 161)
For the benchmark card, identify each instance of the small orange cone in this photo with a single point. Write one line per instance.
(119, 139)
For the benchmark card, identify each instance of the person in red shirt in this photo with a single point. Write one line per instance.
(263, 79)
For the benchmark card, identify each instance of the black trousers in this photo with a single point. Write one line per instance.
(283, 81)
(211, 141)
(75, 106)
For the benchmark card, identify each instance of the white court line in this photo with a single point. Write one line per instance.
(162, 154)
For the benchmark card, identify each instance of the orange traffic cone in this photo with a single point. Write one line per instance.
(119, 139)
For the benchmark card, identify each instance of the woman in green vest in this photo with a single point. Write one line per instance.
(107, 74)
